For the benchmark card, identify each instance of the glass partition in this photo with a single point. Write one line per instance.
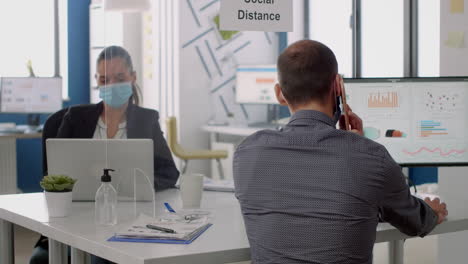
(429, 38)
(382, 38)
(330, 23)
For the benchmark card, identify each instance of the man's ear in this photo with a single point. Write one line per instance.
(280, 96)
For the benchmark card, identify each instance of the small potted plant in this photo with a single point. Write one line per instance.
(58, 194)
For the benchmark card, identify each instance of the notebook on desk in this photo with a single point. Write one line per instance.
(218, 185)
(11, 131)
(215, 185)
(11, 128)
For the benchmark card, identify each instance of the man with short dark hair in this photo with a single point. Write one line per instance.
(312, 193)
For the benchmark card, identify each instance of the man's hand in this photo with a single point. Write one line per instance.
(439, 208)
(354, 121)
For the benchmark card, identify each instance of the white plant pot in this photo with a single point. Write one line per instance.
(58, 203)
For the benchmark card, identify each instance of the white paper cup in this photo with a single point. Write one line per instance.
(191, 189)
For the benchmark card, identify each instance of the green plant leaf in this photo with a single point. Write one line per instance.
(57, 183)
(225, 35)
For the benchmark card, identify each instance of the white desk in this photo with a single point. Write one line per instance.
(8, 174)
(241, 131)
(224, 242)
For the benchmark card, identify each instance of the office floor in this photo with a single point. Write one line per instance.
(24, 243)
(417, 251)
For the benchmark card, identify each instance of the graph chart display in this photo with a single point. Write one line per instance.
(419, 122)
(383, 100)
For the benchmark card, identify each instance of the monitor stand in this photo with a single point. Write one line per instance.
(33, 123)
(272, 118)
(264, 125)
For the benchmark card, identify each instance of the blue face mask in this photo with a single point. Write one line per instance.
(116, 95)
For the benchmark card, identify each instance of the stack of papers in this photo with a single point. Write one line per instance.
(218, 185)
(215, 185)
(423, 196)
(185, 231)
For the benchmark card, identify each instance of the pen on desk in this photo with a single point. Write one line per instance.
(162, 229)
(186, 217)
(169, 208)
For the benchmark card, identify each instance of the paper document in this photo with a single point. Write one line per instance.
(218, 185)
(456, 39)
(457, 6)
(215, 185)
(183, 229)
(423, 196)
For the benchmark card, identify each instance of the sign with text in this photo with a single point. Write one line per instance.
(257, 15)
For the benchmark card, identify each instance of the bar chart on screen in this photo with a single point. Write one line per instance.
(383, 100)
(430, 128)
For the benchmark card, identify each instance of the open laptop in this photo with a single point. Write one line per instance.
(85, 159)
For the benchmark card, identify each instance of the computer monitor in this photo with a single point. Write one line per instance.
(421, 121)
(255, 84)
(30, 94)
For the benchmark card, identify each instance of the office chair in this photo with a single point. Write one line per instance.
(50, 130)
(187, 155)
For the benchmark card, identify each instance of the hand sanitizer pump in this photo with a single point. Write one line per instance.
(106, 201)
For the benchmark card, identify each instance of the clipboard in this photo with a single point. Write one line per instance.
(160, 241)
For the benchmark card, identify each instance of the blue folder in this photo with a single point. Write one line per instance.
(163, 241)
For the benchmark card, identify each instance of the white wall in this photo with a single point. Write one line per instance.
(298, 32)
(208, 62)
(453, 61)
(113, 28)
(453, 182)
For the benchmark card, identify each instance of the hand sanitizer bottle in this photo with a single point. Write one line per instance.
(106, 201)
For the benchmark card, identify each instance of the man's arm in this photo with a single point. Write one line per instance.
(409, 214)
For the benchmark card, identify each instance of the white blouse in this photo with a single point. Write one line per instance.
(101, 130)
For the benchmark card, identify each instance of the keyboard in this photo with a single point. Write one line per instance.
(423, 196)
(11, 131)
(264, 126)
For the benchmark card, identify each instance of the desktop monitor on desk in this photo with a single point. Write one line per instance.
(421, 121)
(255, 84)
(26, 95)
